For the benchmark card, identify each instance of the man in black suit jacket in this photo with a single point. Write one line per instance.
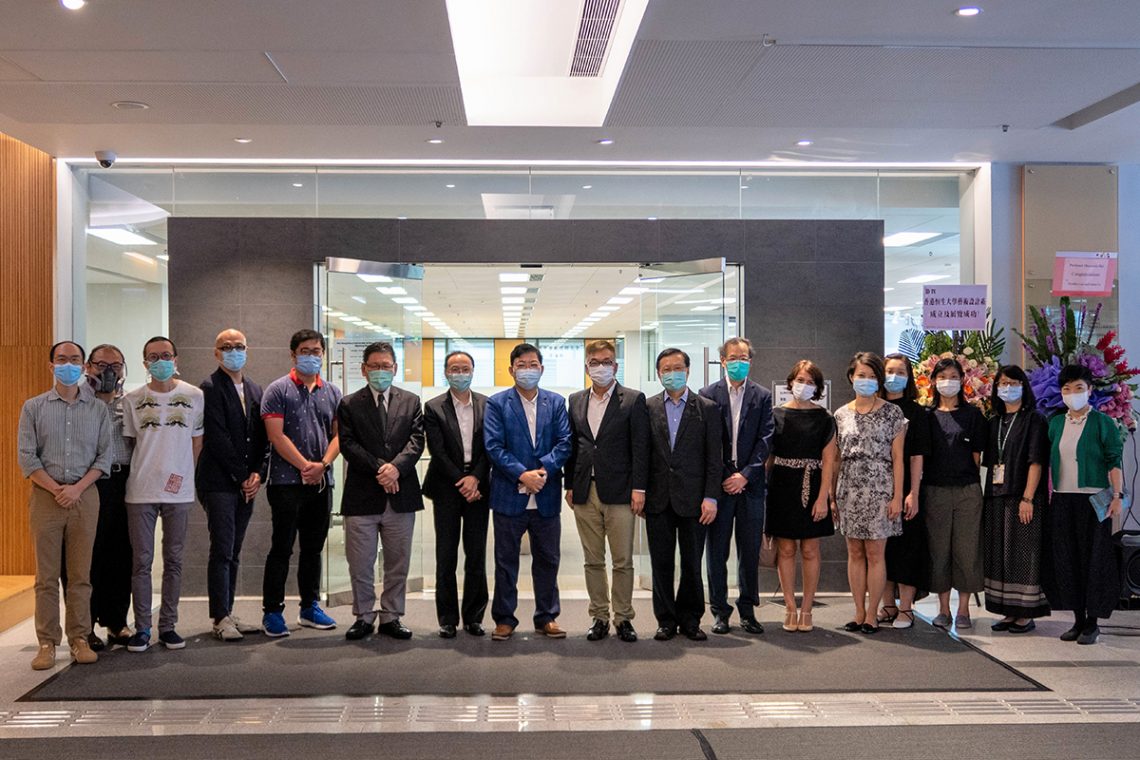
(381, 430)
(747, 422)
(607, 470)
(456, 483)
(680, 500)
(229, 474)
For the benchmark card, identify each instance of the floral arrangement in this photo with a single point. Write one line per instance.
(1067, 338)
(975, 350)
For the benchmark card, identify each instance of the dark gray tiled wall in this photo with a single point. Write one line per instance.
(812, 288)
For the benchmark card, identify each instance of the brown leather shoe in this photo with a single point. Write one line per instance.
(502, 632)
(81, 651)
(45, 658)
(551, 631)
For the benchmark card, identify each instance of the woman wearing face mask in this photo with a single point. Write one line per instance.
(1015, 458)
(869, 492)
(907, 555)
(952, 494)
(800, 473)
(1086, 459)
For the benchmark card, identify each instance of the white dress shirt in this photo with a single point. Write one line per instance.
(735, 402)
(530, 409)
(596, 408)
(465, 413)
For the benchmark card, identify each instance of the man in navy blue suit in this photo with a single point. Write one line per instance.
(746, 410)
(527, 435)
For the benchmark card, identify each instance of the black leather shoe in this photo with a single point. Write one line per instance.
(751, 625)
(359, 630)
(598, 631)
(474, 629)
(721, 625)
(95, 642)
(1073, 633)
(447, 631)
(625, 631)
(1089, 635)
(395, 629)
(1001, 625)
(695, 634)
(1029, 626)
(665, 632)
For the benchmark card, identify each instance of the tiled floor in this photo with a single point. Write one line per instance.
(1087, 684)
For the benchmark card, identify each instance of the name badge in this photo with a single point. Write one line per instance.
(999, 474)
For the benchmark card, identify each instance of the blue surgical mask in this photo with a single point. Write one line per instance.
(161, 370)
(233, 360)
(1009, 393)
(380, 379)
(459, 382)
(68, 374)
(527, 379)
(865, 386)
(1076, 401)
(895, 383)
(737, 370)
(309, 365)
(674, 381)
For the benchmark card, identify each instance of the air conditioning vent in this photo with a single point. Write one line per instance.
(594, 31)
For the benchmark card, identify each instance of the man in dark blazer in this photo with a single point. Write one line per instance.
(681, 496)
(527, 434)
(456, 483)
(229, 474)
(607, 470)
(746, 413)
(381, 430)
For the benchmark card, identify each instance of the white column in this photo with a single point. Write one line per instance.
(1128, 237)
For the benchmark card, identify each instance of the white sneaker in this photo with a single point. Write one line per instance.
(244, 627)
(226, 630)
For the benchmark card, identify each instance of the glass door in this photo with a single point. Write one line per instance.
(359, 303)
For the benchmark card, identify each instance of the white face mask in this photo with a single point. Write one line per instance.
(949, 387)
(1076, 401)
(803, 391)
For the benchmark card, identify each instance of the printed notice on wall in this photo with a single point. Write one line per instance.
(954, 307)
(1084, 273)
(782, 394)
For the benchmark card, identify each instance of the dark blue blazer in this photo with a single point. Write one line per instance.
(507, 438)
(234, 444)
(754, 440)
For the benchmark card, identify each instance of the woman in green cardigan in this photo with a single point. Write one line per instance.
(1086, 458)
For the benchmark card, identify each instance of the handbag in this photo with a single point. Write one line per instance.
(768, 551)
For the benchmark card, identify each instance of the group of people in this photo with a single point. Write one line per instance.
(703, 470)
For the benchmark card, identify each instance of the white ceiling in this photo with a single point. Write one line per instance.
(867, 80)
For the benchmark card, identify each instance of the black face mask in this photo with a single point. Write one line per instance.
(106, 381)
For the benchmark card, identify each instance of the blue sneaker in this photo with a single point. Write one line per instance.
(139, 641)
(315, 617)
(273, 623)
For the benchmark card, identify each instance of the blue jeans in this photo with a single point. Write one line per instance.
(227, 516)
(742, 514)
(545, 539)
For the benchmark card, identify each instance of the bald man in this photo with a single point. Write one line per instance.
(230, 472)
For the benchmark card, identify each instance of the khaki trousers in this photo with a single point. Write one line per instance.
(597, 523)
(54, 527)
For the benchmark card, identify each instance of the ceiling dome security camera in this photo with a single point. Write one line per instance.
(106, 158)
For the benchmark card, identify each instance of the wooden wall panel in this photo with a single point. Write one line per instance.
(27, 265)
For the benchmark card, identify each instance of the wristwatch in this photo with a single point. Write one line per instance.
(1026, 500)
(328, 465)
(1117, 495)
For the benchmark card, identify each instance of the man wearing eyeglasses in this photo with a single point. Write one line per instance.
(607, 471)
(230, 473)
(165, 417)
(299, 410)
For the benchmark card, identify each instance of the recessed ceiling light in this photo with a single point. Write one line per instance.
(887, 290)
(359, 299)
(394, 290)
(903, 239)
(372, 278)
(704, 308)
(744, 187)
(298, 184)
(968, 11)
(651, 218)
(129, 105)
(621, 301)
(73, 5)
(415, 307)
(631, 292)
(449, 186)
(404, 299)
(119, 236)
(803, 143)
(139, 256)
(513, 299)
(514, 277)
(513, 307)
(401, 217)
(436, 141)
(513, 291)
(243, 140)
(598, 314)
(586, 187)
(608, 308)
(335, 314)
(605, 141)
(163, 257)
(923, 278)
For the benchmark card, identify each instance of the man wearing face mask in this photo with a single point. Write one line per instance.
(111, 555)
(64, 447)
(747, 422)
(230, 473)
(381, 432)
(456, 483)
(527, 435)
(607, 471)
(166, 419)
(681, 496)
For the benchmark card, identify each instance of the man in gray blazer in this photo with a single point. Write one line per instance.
(381, 432)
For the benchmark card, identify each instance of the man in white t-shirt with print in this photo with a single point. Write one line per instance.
(166, 419)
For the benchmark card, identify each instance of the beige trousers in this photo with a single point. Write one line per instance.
(53, 528)
(597, 524)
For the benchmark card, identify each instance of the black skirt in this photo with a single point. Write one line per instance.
(908, 556)
(1014, 555)
(1085, 572)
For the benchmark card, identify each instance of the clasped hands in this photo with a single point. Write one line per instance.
(533, 481)
(468, 487)
(388, 477)
(67, 496)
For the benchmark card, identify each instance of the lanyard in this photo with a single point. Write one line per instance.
(1002, 440)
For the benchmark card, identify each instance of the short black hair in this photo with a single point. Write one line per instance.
(160, 339)
(734, 340)
(457, 352)
(911, 391)
(379, 347)
(51, 353)
(670, 352)
(872, 360)
(1013, 372)
(525, 348)
(944, 364)
(302, 336)
(1072, 372)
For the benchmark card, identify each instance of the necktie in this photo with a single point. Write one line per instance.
(382, 410)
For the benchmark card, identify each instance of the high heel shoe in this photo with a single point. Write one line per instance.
(805, 622)
(790, 620)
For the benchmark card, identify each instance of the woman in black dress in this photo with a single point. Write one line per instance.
(1013, 517)
(908, 557)
(799, 486)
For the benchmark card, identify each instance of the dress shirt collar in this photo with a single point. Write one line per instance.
(533, 402)
(387, 394)
(455, 399)
(680, 402)
(605, 396)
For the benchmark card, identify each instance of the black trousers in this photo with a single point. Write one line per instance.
(455, 521)
(300, 514)
(227, 517)
(683, 606)
(111, 555)
(1085, 573)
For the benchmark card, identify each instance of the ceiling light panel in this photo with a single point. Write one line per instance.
(902, 239)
